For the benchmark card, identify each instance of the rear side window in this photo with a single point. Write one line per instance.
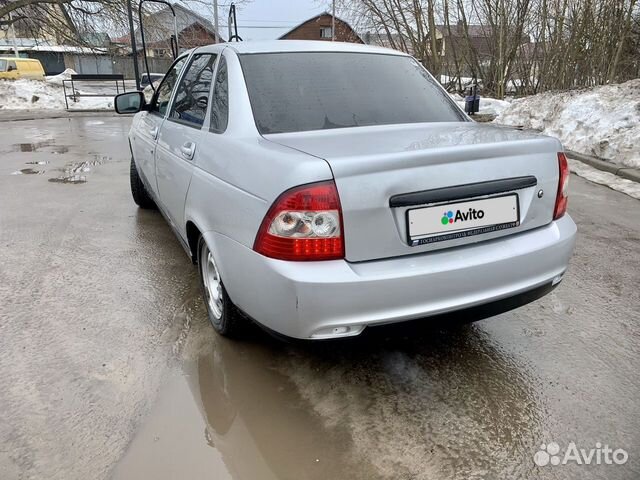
(220, 100)
(192, 95)
(293, 92)
(3, 65)
(163, 95)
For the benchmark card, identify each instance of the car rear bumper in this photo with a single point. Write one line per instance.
(337, 298)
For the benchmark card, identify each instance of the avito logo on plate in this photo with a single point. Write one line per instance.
(460, 216)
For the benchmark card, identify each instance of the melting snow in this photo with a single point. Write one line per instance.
(25, 94)
(488, 106)
(601, 121)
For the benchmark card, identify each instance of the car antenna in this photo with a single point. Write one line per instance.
(174, 37)
(233, 22)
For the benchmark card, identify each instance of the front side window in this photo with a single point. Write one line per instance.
(163, 95)
(220, 100)
(12, 66)
(301, 91)
(192, 95)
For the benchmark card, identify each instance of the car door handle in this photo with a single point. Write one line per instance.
(154, 132)
(187, 150)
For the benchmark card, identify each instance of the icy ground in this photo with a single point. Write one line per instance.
(601, 121)
(26, 94)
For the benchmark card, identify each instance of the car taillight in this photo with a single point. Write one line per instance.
(303, 224)
(563, 183)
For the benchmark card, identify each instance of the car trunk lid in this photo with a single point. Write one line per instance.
(383, 173)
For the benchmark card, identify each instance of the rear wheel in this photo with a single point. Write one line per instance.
(223, 314)
(138, 190)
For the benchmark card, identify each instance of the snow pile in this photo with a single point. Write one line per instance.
(148, 93)
(492, 106)
(149, 90)
(25, 94)
(601, 121)
(488, 106)
(58, 79)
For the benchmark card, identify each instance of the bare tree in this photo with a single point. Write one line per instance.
(512, 45)
(76, 22)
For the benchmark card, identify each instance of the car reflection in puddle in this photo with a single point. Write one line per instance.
(398, 403)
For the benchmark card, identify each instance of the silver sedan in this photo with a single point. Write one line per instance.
(324, 187)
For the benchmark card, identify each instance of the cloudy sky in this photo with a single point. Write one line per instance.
(274, 17)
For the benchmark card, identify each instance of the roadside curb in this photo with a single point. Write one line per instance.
(629, 173)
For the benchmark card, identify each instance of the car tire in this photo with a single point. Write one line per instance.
(223, 314)
(138, 190)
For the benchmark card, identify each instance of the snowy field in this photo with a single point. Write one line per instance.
(25, 94)
(601, 121)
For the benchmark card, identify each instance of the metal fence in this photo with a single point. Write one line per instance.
(124, 65)
(107, 65)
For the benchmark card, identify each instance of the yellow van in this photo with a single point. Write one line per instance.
(14, 68)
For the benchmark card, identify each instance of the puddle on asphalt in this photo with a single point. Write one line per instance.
(73, 172)
(44, 146)
(27, 147)
(69, 179)
(98, 159)
(231, 415)
(402, 402)
(28, 171)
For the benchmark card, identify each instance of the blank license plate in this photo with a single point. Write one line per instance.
(462, 219)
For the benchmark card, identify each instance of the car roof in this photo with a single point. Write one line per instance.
(279, 46)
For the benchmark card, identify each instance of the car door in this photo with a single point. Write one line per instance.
(180, 135)
(143, 143)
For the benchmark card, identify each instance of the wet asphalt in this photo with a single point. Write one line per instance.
(109, 369)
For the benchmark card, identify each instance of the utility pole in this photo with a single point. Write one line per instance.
(134, 50)
(215, 20)
(13, 35)
(333, 21)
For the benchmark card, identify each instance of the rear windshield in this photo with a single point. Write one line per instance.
(296, 92)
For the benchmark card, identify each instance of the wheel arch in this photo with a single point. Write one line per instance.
(193, 234)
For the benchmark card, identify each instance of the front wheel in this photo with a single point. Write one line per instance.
(223, 314)
(138, 190)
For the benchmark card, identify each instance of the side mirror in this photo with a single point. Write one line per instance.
(130, 102)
